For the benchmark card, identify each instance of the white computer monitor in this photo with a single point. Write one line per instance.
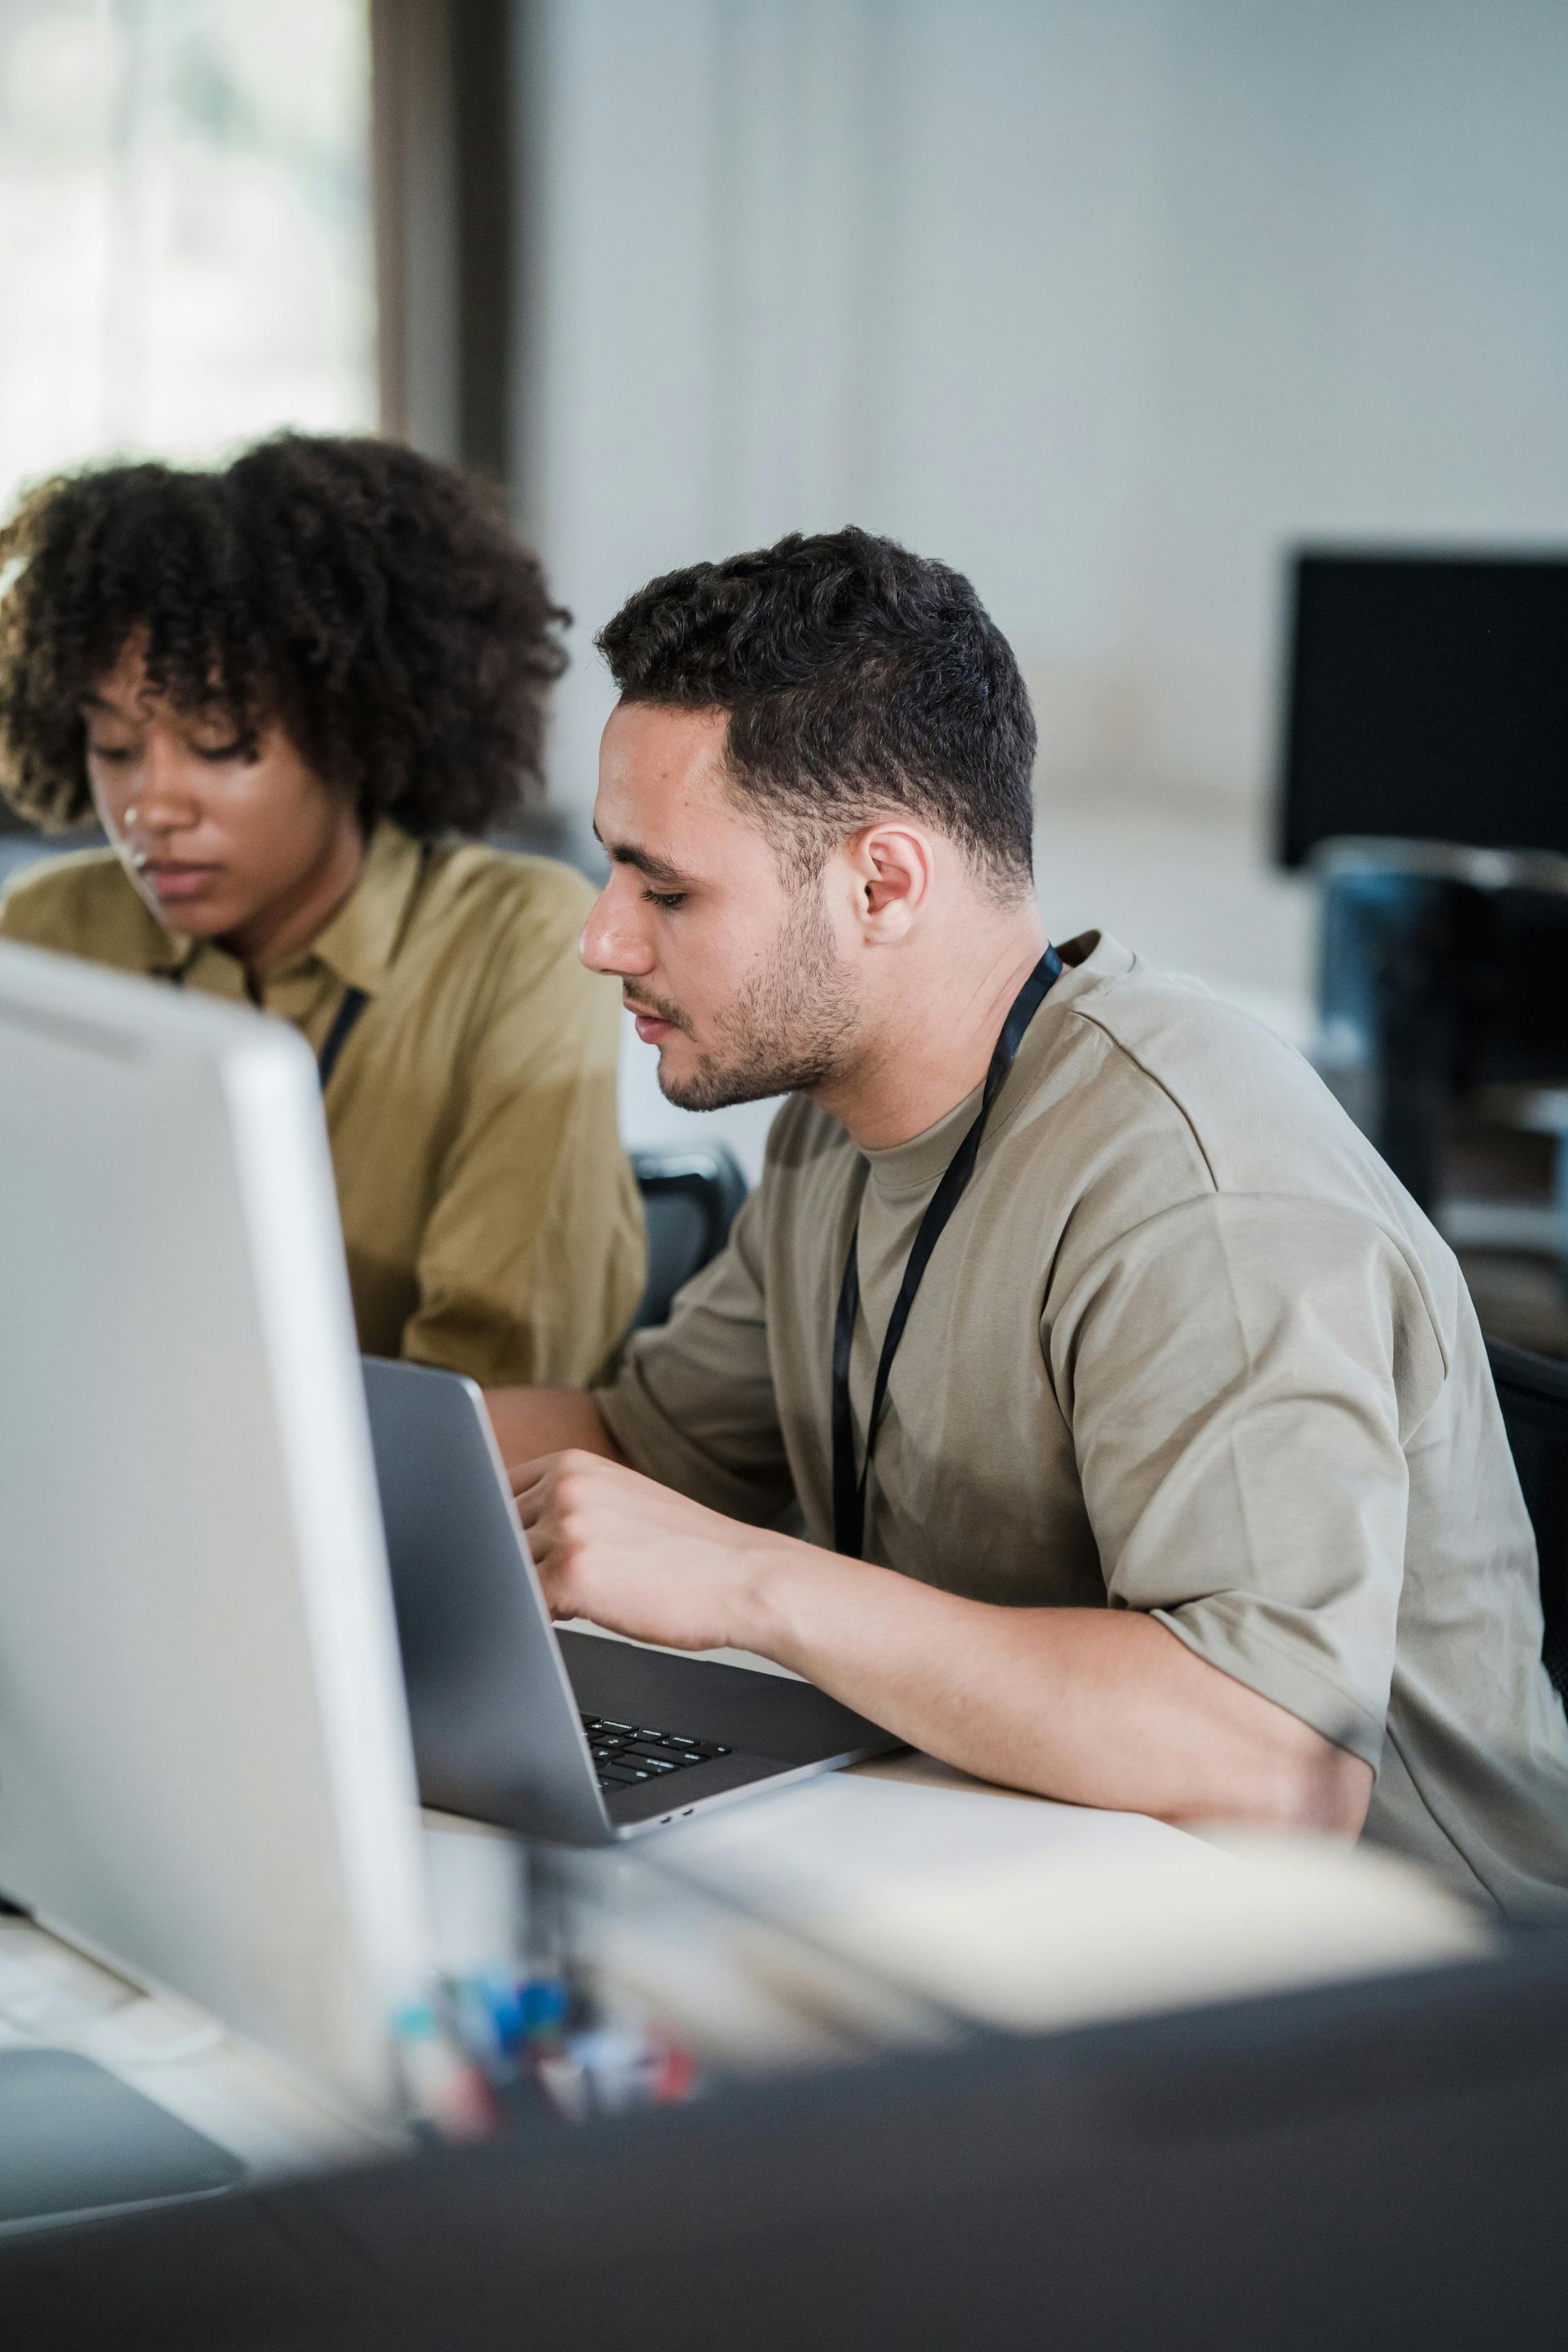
(205, 1775)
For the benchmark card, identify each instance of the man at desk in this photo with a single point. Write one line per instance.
(1140, 1425)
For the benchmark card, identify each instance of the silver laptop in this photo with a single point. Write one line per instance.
(567, 1737)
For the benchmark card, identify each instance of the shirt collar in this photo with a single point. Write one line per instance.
(359, 943)
(361, 940)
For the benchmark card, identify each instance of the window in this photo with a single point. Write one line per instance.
(185, 226)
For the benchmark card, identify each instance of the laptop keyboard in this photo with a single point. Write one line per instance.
(625, 1755)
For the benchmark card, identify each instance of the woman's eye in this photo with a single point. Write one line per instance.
(218, 751)
(669, 899)
(108, 751)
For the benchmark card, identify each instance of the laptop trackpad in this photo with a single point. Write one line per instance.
(792, 1721)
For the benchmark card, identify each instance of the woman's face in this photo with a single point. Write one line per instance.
(216, 843)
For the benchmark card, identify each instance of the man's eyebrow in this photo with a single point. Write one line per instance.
(627, 853)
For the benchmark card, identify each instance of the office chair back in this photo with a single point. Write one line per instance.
(1533, 1393)
(1442, 970)
(690, 1199)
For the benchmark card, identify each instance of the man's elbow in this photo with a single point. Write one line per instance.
(1318, 1786)
(1267, 1766)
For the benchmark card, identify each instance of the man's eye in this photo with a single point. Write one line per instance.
(112, 751)
(668, 898)
(218, 751)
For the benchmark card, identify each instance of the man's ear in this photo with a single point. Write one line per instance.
(894, 868)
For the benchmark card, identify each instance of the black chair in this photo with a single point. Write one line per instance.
(690, 1199)
(1533, 1393)
(1443, 986)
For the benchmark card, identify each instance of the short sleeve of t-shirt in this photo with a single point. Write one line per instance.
(693, 1404)
(1244, 1372)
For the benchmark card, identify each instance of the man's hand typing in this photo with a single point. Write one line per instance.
(638, 1559)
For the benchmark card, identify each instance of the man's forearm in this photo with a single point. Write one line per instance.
(1097, 1707)
(1100, 1706)
(530, 1423)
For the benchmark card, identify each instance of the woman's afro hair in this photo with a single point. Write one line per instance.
(370, 601)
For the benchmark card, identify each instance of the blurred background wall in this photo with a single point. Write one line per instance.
(1107, 301)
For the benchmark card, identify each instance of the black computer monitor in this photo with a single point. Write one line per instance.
(1426, 699)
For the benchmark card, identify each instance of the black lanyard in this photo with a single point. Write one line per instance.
(349, 1010)
(849, 1489)
(337, 1037)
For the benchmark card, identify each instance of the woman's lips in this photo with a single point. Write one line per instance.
(176, 882)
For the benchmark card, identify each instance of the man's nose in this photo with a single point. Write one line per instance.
(612, 939)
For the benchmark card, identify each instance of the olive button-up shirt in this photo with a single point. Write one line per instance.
(491, 1219)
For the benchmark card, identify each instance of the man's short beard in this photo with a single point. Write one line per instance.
(789, 1030)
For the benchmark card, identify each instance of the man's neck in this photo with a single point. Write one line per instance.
(934, 1045)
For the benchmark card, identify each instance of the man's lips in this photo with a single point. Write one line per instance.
(650, 1026)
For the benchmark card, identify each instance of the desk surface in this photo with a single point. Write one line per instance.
(53, 1995)
(902, 1903)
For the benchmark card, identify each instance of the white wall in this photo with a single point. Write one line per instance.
(1107, 301)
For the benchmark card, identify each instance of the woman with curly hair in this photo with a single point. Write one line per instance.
(288, 691)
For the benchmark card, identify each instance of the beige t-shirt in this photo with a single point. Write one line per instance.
(1186, 1346)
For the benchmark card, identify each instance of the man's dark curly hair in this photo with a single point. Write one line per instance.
(857, 679)
(371, 602)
